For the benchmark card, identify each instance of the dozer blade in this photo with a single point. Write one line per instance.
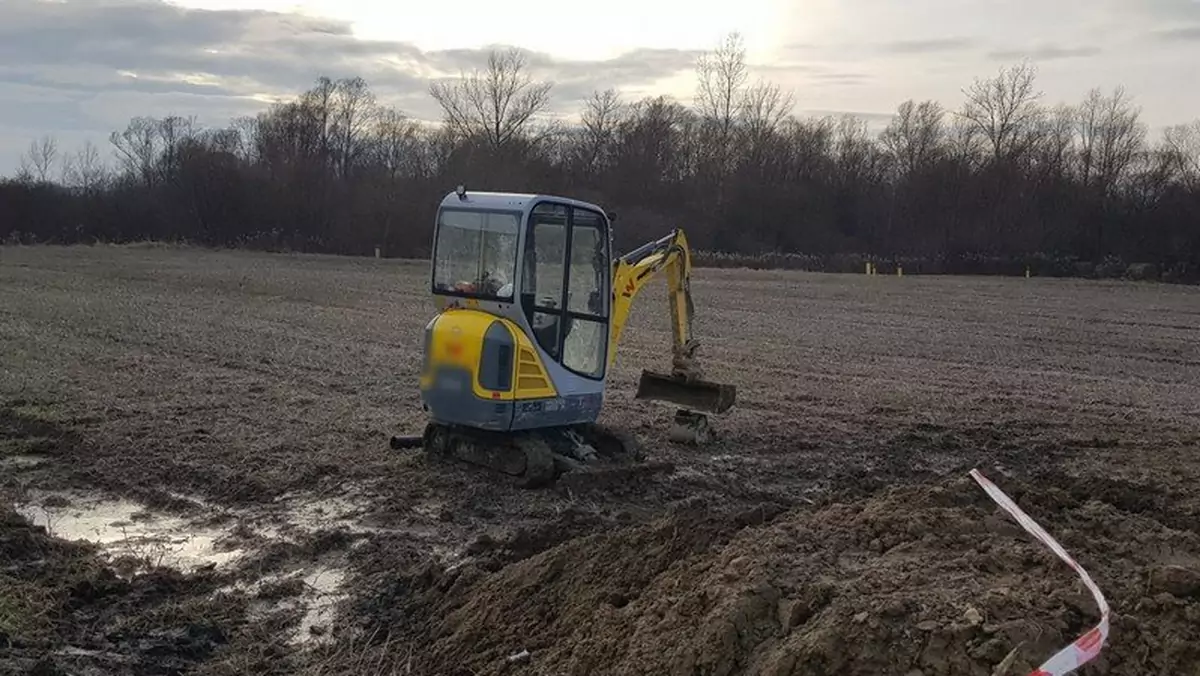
(695, 395)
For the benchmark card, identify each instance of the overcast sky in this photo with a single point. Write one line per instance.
(79, 69)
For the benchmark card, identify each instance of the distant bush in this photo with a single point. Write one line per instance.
(1142, 272)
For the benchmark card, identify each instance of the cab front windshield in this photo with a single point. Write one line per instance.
(476, 253)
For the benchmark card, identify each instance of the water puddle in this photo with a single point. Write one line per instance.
(310, 514)
(313, 592)
(323, 589)
(216, 536)
(134, 538)
(126, 530)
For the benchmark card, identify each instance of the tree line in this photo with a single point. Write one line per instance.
(1002, 182)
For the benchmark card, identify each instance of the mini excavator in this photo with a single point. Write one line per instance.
(531, 307)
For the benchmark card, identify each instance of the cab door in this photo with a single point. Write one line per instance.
(565, 289)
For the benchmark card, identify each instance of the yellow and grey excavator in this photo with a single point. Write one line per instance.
(532, 305)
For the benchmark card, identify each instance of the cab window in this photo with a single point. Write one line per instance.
(586, 338)
(545, 258)
(475, 253)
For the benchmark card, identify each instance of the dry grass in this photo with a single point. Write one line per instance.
(24, 608)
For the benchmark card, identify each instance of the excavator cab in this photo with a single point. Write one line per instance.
(531, 306)
(522, 284)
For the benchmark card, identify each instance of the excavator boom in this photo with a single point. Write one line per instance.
(685, 385)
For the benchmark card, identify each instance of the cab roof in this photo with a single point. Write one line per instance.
(510, 200)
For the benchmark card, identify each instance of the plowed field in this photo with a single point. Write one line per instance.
(196, 477)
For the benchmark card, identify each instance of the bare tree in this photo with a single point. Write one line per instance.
(1182, 146)
(85, 171)
(174, 132)
(651, 144)
(915, 136)
(856, 156)
(354, 112)
(395, 140)
(246, 128)
(601, 117)
(1057, 139)
(38, 160)
(965, 142)
(290, 136)
(811, 142)
(136, 148)
(392, 148)
(439, 143)
(496, 105)
(1153, 174)
(317, 106)
(1110, 135)
(1087, 121)
(763, 108)
(722, 75)
(1004, 109)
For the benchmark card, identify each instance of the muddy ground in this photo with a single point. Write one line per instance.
(196, 478)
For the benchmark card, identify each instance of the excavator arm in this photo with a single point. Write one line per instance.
(685, 385)
(634, 270)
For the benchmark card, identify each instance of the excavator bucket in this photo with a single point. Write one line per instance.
(695, 395)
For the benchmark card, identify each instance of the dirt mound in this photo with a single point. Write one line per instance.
(930, 580)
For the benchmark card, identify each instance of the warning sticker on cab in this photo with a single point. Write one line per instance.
(1086, 647)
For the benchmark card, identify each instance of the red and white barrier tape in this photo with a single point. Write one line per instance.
(1086, 647)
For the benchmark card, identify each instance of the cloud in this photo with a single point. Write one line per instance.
(87, 66)
(844, 79)
(1181, 34)
(861, 50)
(1170, 10)
(854, 50)
(812, 74)
(1044, 53)
(254, 51)
(82, 68)
(575, 80)
(928, 46)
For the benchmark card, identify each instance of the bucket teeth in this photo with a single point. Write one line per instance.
(688, 393)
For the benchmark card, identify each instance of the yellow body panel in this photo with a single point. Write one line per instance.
(531, 380)
(457, 340)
